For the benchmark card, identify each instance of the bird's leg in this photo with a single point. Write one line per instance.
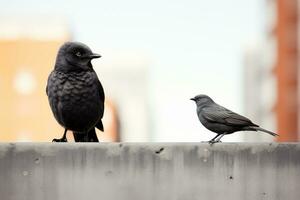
(80, 136)
(92, 135)
(63, 139)
(86, 137)
(219, 138)
(213, 140)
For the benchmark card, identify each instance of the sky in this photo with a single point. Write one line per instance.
(190, 47)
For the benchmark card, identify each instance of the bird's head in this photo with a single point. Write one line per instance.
(202, 99)
(74, 56)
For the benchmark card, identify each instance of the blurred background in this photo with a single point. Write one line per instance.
(156, 55)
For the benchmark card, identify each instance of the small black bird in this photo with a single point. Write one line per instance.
(221, 120)
(75, 94)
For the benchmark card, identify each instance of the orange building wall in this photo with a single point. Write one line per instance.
(25, 116)
(287, 69)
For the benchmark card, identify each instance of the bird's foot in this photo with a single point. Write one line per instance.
(60, 140)
(213, 141)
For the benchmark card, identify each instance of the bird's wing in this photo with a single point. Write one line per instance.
(101, 94)
(99, 87)
(50, 76)
(101, 91)
(219, 114)
(99, 125)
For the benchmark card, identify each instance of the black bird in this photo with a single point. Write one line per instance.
(221, 120)
(75, 94)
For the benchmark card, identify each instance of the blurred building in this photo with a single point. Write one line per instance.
(259, 89)
(271, 73)
(28, 50)
(124, 75)
(286, 69)
(260, 82)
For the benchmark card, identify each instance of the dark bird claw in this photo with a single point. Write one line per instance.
(213, 141)
(60, 140)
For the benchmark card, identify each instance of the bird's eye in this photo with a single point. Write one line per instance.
(78, 54)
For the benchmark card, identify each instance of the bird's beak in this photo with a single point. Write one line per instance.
(94, 55)
(193, 99)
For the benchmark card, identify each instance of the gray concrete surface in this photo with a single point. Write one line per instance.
(144, 171)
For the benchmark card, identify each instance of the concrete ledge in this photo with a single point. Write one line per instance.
(144, 171)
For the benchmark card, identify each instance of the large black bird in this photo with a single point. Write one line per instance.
(75, 94)
(221, 120)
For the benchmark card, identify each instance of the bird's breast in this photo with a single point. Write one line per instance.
(74, 99)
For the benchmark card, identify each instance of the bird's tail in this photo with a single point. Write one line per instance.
(91, 136)
(257, 128)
